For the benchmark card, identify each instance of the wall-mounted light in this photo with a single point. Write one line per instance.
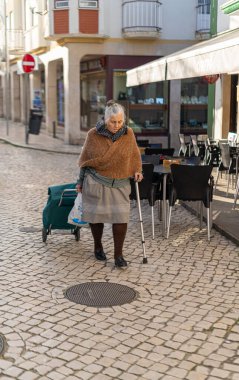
(33, 7)
(38, 13)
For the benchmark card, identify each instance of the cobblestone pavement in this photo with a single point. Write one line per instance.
(183, 323)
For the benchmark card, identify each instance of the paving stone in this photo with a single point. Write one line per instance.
(113, 373)
(196, 376)
(152, 375)
(183, 322)
(28, 375)
(83, 375)
(221, 374)
(13, 372)
(5, 364)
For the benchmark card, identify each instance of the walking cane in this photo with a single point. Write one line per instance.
(145, 260)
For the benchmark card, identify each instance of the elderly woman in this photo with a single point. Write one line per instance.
(109, 158)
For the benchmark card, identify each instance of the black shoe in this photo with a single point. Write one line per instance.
(100, 255)
(120, 262)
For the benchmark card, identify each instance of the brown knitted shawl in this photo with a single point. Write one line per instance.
(119, 159)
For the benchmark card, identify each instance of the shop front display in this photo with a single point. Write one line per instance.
(194, 106)
(104, 78)
(148, 108)
(93, 99)
(93, 96)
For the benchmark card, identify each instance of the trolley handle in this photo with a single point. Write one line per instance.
(67, 193)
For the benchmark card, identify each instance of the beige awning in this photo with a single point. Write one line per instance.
(218, 55)
(150, 72)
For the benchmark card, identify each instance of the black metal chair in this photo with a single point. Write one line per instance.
(195, 145)
(212, 153)
(147, 189)
(142, 143)
(236, 193)
(184, 146)
(193, 160)
(227, 163)
(162, 151)
(191, 183)
(151, 158)
(155, 145)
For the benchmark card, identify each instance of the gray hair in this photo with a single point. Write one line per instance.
(113, 108)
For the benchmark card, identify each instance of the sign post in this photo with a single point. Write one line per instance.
(28, 64)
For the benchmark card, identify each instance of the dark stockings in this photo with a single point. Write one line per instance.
(119, 233)
(97, 232)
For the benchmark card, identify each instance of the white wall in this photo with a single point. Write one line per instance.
(34, 36)
(17, 23)
(111, 22)
(234, 22)
(222, 19)
(179, 19)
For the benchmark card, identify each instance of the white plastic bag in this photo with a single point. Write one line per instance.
(76, 213)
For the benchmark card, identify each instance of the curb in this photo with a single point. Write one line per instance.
(37, 148)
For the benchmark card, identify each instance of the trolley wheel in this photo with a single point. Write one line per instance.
(77, 233)
(44, 234)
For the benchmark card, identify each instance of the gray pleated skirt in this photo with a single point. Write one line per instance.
(102, 204)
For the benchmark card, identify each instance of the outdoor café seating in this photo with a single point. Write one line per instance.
(196, 150)
(236, 193)
(212, 153)
(184, 146)
(228, 163)
(191, 183)
(162, 151)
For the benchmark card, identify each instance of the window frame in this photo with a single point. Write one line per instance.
(56, 6)
(96, 6)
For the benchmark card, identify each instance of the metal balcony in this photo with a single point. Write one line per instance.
(15, 41)
(203, 21)
(141, 18)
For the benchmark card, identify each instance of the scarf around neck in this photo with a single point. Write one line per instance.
(102, 130)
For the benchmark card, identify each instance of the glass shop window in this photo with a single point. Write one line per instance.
(194, 105)
(148, 108)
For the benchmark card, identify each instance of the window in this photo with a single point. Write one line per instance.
(88, 4)
(93, 98)
(148, 108)
(194, 105)
(204, 6)
(119, 85)
(61, 4)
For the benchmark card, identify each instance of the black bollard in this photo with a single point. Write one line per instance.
(54, 129)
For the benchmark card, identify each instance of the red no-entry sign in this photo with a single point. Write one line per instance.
(28, 63)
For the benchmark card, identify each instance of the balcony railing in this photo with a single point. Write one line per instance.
(203, 19)
(15, 41)
(141, 18)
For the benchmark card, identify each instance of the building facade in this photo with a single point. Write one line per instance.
(202, 79)
(82, 51)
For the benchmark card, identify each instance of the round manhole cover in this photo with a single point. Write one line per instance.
(100, 294)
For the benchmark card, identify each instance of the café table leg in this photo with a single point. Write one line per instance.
(237, 164)
(164, 205)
